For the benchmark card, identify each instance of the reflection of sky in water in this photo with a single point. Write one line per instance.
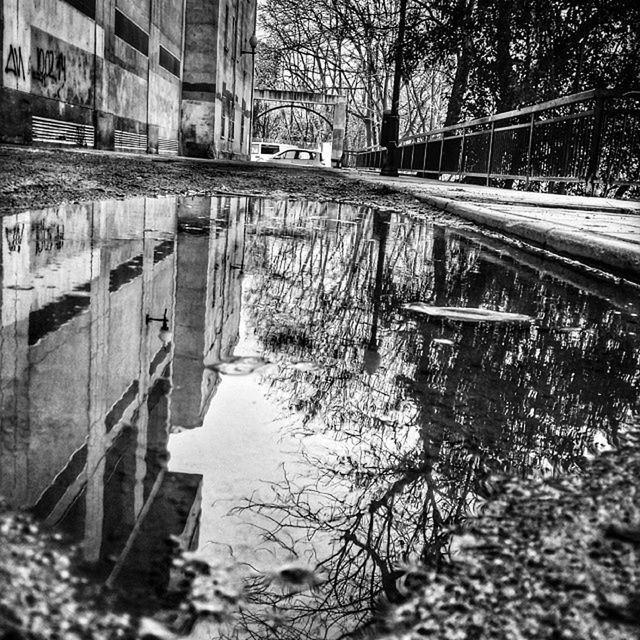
(241, 452)
(237, 451)
(377, 430)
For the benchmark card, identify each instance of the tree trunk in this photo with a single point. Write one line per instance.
(466, 10)
(460, 80)
(506, 97)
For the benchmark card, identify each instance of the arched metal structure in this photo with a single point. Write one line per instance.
(302, 99)
(297, 106)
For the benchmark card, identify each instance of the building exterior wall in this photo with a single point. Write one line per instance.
(217, 81)
(109, 74)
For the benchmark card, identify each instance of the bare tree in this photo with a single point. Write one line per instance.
(345, 47)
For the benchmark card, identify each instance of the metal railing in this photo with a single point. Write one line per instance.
(591, 137)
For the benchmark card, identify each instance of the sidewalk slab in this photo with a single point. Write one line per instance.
(601, 231)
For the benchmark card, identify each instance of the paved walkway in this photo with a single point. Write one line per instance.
(601, 231)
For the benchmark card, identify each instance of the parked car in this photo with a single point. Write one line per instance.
(299, 156)
(264, 151)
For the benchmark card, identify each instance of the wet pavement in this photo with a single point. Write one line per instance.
(303, 422)
(604, 232)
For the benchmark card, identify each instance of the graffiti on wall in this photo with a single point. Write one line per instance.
(15, 63)
(60, 70)
(45, 236)
(49, 65)
(14, 237)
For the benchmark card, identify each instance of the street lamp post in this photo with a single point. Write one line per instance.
(391, 119)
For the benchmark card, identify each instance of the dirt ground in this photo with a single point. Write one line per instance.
(555, 558)
(38, 178)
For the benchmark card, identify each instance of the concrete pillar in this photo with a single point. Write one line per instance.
(97, 438)
(15, 427)
(104, 121)
(192, 272)
(199, 79)
(339, 127)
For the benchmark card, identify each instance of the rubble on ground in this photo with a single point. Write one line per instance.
(554, 558)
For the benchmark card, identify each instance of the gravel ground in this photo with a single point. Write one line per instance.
(37, 178)
(552, 559)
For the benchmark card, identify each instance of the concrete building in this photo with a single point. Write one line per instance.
(109, 74)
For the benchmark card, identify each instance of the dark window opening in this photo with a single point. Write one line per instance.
(235, 38)
(169, 62)
(226, 28)
(223, 111)
(122, 404)
(131, 33)
(56, 314)
(232, 119)
(125, 272)
(88, 7)
(162, 250)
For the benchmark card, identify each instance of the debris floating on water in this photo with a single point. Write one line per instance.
(306, 366)
(466, 314)
(295, 577)
(238, 365)
(443, 341)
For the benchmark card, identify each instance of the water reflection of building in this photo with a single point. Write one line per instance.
(87, 387)
(210, 261)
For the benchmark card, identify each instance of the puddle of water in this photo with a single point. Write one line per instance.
(302, 415)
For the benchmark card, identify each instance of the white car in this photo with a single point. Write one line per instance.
(264, 151)
(299, 156)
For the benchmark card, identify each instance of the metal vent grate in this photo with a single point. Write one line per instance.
(129, 141)
(168, 147)
(61, 132)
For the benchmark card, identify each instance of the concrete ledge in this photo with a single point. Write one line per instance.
(602, 250)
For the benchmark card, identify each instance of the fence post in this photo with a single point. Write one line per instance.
(424, 156)
(530, 146)
(493, 126)
(440, 159)
(463, 149)
(596, 142)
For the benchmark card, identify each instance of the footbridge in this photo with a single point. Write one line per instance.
(591, 138)
(308, 100)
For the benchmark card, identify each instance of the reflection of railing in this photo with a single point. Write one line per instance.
(591, 137)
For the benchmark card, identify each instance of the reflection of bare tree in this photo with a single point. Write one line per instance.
(367, 538)
(312, 298)
(412, 439)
